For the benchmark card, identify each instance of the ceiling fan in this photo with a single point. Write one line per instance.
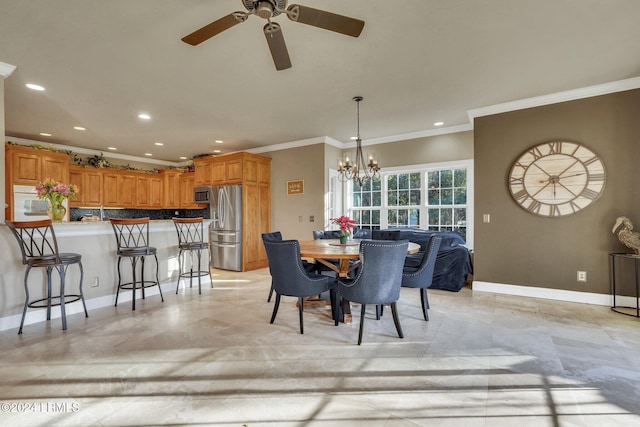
(268, 9)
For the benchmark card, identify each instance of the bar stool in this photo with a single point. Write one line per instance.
(132, 238)
(39, 248)
(191, 238)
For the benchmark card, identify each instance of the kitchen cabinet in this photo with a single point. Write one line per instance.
(202, 171)
(187, 181)
(254, 173)
(28, 165)
(170, 188)
(128, 194)
(148, 189)
(89, 182)
(111, 192)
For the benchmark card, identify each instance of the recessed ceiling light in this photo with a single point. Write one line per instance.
(35, 86)
(148, 154)
(79, 128)
(353, 138)
(217, 151)
(45, 134)
(438, 123)
(183, 158)
(159, 144)
(112, 148)
(144, 116)
(219, 141)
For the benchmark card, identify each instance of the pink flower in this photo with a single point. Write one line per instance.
(344, 222)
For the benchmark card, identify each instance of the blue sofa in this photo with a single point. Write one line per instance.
(453, 263)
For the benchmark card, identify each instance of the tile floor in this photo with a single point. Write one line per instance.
(214, 360)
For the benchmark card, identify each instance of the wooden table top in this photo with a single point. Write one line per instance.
(331, 248)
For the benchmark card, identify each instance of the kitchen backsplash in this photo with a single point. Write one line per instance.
(76, 214)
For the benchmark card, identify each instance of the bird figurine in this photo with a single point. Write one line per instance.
(629, 238)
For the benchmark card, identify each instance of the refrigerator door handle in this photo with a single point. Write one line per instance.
(222, 203)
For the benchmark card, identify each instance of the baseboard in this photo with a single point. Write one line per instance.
(40, 315)
(553, 294)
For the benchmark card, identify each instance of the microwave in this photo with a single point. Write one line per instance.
(202, 195)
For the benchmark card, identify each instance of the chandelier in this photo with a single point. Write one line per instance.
(358, 170)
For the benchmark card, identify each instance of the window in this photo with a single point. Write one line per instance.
(447, 200)
(404, 195)
(432, 197)
(366, 203)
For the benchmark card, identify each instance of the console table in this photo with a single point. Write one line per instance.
(616, 257)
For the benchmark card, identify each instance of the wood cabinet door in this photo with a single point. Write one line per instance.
(171, 189)
(186, 191)
(128, 191)
(93, 187)
(155, 192)
(202, 172)
(218, 174)
(110, 189)
(25, 168)
(56, 168)
(76, 177)
(264, 172)
(143, 191)
(250, 171)
(233, 171)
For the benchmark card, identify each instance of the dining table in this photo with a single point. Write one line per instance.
(328, 251)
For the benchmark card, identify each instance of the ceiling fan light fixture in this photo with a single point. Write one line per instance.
(264, 10)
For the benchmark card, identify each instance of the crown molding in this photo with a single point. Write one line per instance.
(6, 69)
(287, 145)
(555, 98)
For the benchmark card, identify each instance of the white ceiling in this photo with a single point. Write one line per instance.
(416, 62)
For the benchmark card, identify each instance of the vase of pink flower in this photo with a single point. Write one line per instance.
(56, 193)
(346, 224)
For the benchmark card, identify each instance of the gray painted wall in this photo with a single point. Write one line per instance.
(520, 248)
(312, 163)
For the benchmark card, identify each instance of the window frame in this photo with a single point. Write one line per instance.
(423, 169)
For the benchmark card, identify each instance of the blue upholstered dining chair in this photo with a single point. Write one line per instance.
(276, 236)
(422, 276)
(289, 278)
(378, 279)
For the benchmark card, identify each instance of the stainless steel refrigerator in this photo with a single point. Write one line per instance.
(225, 230)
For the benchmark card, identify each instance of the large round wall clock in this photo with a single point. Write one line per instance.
(557, 178)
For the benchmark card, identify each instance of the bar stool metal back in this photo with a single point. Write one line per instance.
(191, 239)
(39, 249)
(132, 238)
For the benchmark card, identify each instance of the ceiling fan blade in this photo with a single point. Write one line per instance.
(327, 20)
(216, 27)
(277, 46)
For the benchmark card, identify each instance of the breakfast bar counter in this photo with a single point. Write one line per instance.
(95, 241)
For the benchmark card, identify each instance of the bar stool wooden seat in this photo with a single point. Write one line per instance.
(132, 238)
(191, 239)
(39, 249)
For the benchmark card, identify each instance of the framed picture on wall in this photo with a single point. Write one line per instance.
(295, 187)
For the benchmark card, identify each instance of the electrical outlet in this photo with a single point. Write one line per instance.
(95, 282)
(486, 218)
(582, 276)
(312, 218)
